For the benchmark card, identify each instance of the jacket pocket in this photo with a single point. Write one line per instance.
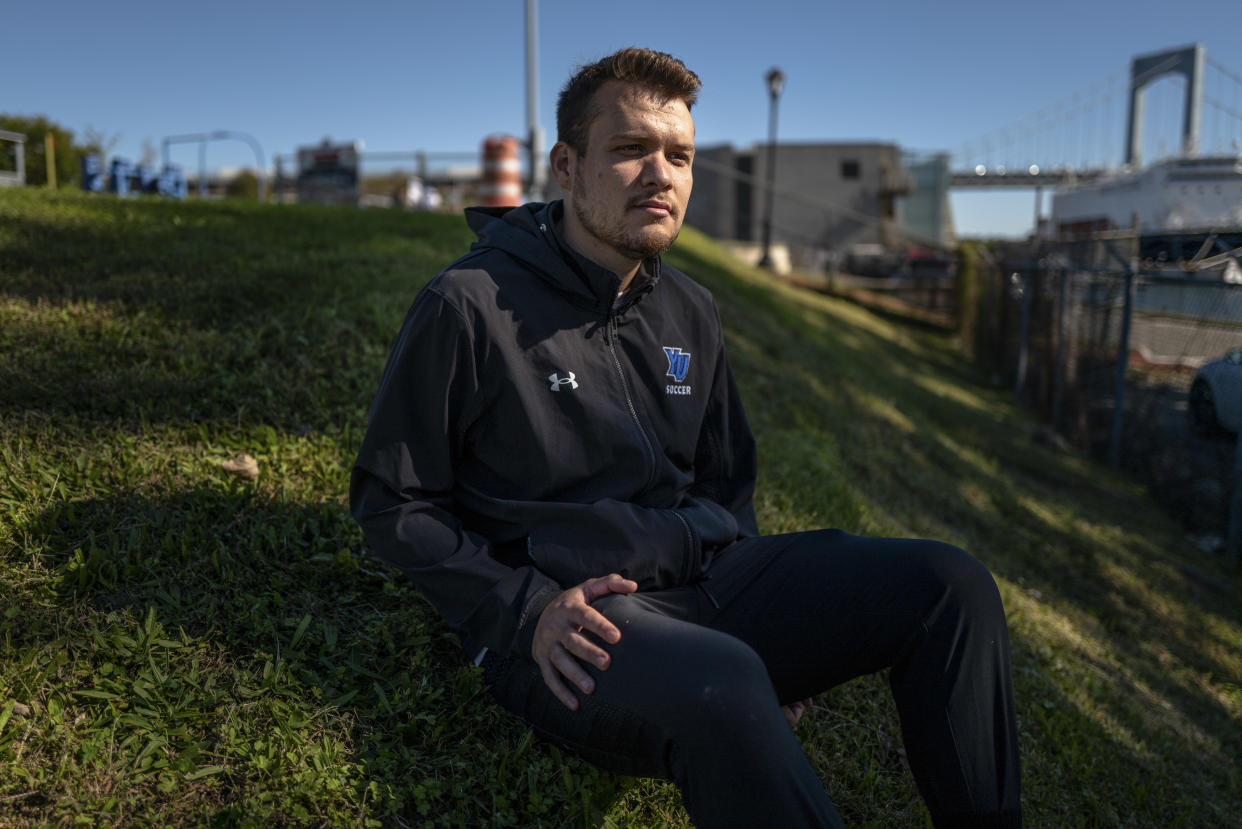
(713, 526)
(656, 548)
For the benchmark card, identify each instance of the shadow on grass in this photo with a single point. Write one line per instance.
(1124, 666)
(316, 680)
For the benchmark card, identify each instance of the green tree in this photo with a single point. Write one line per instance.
(244, 185)
(68, 154)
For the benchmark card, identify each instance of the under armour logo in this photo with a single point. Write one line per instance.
(557, 381)
(678, 363)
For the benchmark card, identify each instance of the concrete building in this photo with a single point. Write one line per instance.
(925, 211)
(831, 199)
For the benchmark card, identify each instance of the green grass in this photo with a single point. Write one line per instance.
(179, 646)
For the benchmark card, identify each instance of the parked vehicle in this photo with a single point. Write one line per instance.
(1216, 395)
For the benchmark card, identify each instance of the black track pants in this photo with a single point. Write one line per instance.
(694, 689)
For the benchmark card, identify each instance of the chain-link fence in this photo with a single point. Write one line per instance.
(1107, 352)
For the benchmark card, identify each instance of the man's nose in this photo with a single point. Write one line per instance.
(657, 171)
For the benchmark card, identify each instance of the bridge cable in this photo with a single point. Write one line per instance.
(1224, 70)
(1043, 119)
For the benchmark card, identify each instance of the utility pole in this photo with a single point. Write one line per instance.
(49, 158)
(537, 180)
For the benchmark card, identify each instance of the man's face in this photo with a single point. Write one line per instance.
(628, 193)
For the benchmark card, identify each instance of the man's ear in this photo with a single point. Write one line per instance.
(563, 158)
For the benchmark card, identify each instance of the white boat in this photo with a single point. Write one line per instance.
(1189, 213)
(1177, 195)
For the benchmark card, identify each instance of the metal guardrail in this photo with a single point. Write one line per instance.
(1021, 178)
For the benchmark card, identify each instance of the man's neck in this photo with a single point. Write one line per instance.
(589, 247)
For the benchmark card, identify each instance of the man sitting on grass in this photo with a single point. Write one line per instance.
(559, 461)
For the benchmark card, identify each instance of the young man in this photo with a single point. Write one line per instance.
(559, 460)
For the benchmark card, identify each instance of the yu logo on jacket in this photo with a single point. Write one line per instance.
(678, 363)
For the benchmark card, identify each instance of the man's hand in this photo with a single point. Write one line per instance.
(794, 711)
(560, 636)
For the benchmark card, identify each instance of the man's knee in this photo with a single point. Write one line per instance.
(961, 580)
(709, 673)
(727, 699)
(725, 677)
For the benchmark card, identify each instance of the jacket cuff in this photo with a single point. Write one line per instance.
(530, 619)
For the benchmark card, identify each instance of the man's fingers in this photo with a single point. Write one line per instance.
(586, 650)
(793, 711)
(593, 589)
(553, 680)
(588, 618)
(569, 668)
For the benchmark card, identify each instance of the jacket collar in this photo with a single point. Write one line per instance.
(529, 233)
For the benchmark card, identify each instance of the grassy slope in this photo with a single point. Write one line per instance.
(179, 646)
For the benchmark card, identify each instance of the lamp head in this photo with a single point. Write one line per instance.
(776, 81)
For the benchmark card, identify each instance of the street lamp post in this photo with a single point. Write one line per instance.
(776, 82)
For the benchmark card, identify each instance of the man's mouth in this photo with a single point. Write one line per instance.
(655, 208)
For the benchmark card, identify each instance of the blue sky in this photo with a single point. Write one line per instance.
(440, 76)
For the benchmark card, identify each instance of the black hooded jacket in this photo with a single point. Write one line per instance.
(532, 431)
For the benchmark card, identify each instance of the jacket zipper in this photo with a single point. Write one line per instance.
(629, 401)
(691, 564)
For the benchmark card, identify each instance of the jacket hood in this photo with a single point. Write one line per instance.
(528, 234)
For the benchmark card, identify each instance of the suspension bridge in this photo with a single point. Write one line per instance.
(1105, 126)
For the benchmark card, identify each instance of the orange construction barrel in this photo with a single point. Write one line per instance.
(502, 172)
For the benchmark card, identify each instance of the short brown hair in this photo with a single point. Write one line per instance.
(656, 72)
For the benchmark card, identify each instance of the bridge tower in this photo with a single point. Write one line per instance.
(1145, 69)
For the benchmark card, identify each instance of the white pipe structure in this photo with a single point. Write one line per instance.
(217, 135)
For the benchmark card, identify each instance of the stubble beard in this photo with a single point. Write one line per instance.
(636, 246)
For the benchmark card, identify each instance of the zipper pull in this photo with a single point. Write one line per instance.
(702, 585)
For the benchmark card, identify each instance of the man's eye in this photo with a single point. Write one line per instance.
(679, 158)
